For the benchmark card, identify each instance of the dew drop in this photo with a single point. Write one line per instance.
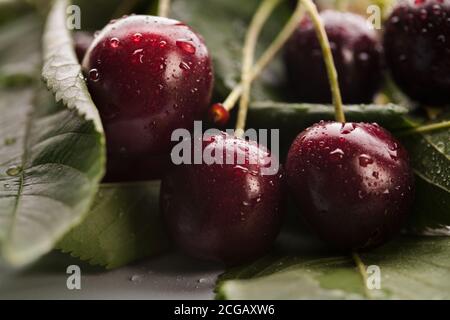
(440, 146)
(395, 19)
(441, 38)
(137, 37)
(393, 146)
(184, 66)
(186, 46)
(347, 128)
(162, 43)
(94, 75)
(13, 170)
(136, 278)
(361, 194)
(336, 155)
(10, 141)
(365, 160)
(114, 42)
(363, 56)
(138, 56)
(423, 14)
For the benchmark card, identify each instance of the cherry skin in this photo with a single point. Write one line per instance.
(148, 76)
(356, 52)
(417, 46)
(352, 182)
(224, 212)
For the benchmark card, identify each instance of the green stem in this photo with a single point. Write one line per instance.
(328, 58)
(164, 8)
(426, 128)
(362, 271)
(268, 55)
(259, 19)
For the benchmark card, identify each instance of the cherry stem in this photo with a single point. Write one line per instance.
(259, 19)
(267, 56)
(362, 270)
(426, 128)
(328, 59)
(164, 8)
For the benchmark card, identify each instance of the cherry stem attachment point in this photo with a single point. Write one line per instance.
(328, 59)
(426, 128)
(164, 8)
(268, 55)
(259, 19)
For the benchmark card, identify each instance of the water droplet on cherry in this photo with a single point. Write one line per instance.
(137, 37)
(186, 46)
(337, 155)
(183, 65)
(365, 160)
(94, 75)
(114, 42)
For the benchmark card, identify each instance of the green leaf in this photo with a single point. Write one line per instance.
(61, 70)
(50, 165)
(19, 51)
(410, 267)
(430, 159)
(224, 33)
(51, 157)
(123, 225)
(13, 9)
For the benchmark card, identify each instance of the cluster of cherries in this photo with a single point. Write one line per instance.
(352, 181)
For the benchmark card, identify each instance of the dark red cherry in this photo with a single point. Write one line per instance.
(82, 40)
(352, 182)
(224, 212)
(148, 76)
(417, 47)
(357, 55)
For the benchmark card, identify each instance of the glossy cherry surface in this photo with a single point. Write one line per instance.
(352, 182)
(357, 55)
(224, 212)
(417, 46)
(148, 76)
